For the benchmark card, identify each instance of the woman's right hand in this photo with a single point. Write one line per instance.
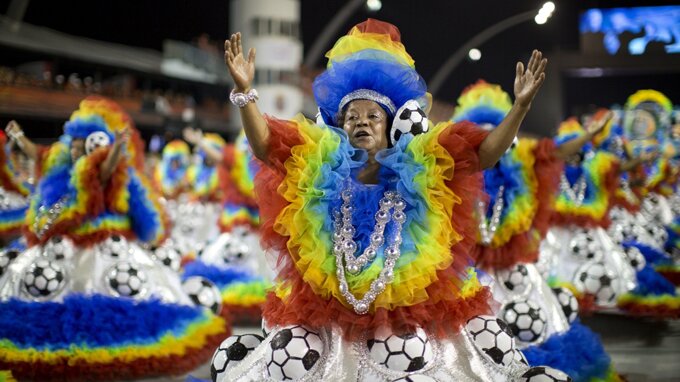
(242, 71)
(13, 128)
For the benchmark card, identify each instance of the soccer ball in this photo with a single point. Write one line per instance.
(6, 258)
(59, 248)
(526, 319)
(231, 351)
(415, 378)
(292, 352)
(115, 246)
(596, 279)
(545, 374)
(203, 293)
(568, 303)
(409, 119)
(515, 279)
(493, 337)
(658, 234)
(635, 257)
(405, 352)
(126, 279)
(44, 278)
(96, 140)
(584, 247)
(168, 256)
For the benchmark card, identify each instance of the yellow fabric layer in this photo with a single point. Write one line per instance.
(357, 41)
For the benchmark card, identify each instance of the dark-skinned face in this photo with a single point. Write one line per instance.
(365, 122)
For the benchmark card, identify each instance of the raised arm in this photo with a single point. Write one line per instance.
(574, 146)
(15, 132)
(114, 156)
(195, 137)
(527, 83)
(242, 71)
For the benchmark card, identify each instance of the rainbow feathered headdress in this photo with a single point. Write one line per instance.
(370, 62)
(116, 119)
(482, 103)
(214, 140)
(176, 150)
(569, 130)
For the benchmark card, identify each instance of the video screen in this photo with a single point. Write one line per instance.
(631, 31)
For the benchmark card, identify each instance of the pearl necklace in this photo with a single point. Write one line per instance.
(344, 247)
(52, 214)
(487, 228)
(577, 193)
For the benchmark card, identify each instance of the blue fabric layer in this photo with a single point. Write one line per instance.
(144, 216)
(578, 352)
(652, 256)
(80, 128)
(221, 277)
(481, 115)
(650, 282)
(13, 215)
(508, 173)
(94, 321)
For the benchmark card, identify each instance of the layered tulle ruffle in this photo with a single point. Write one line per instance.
(307, 169)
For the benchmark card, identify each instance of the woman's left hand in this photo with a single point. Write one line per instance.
(527, 82)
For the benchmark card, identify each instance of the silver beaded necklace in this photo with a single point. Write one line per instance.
(577, 193)
(344, 247)
(52, 214)
(488, 227)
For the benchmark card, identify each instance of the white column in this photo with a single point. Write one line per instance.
(273, 28)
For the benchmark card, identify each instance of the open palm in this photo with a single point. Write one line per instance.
(527, 82)
(242, 71)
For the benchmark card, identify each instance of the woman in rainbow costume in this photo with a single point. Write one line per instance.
(653, 295)
(578, 252)
(522, 188)
(370, 212)
(653, 228)
(234, 261)
(84, 302)
(14, 191)
(170, 173)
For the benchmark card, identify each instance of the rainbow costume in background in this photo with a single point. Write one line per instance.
(234, 261)
(519, 198)
(170, 173)
(83, 303)
(13, 194)
(203, 178)
(424, 285)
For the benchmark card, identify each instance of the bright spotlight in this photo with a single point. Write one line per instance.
(373, 5)
(475, 54)
(549, 7)
(540, 19)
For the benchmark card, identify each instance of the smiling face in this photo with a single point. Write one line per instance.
(365, 122)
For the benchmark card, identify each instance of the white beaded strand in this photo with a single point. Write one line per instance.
(344, 247)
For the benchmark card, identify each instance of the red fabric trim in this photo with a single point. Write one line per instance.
(654, 311)
(671, 275)
(242, 315)
(586, 305)
(67, 370)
